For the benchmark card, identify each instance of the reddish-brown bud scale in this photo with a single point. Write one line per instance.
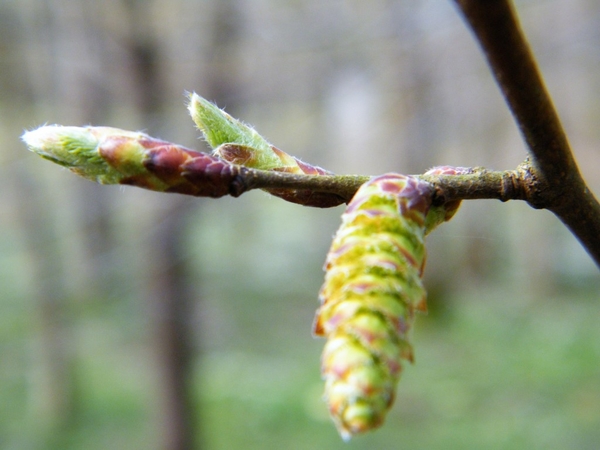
(213, 177)
(171, 168)
(113, 156)
(250, 157)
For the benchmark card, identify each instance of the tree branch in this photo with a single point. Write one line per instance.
(481, 184)
(113, 156)
(555, 182)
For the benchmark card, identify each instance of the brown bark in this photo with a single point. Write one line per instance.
(553, 177)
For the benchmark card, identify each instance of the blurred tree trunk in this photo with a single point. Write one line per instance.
(168, 293)
(168, 288)
(88, 99)
(166, 285)
(223, 74)
(165, 275)
(54, 388)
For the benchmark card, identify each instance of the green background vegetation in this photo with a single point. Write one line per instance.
(509, 354)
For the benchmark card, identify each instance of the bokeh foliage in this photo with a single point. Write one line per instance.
(509, 355)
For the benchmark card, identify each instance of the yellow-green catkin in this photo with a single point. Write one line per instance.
(371, 292)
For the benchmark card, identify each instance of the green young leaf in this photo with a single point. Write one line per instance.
(220, 128)
(237, 143)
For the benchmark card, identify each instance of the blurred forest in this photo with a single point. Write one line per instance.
(132, 319)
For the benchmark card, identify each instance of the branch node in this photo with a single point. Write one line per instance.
(239, 183)
(532, 185)
(512, 186)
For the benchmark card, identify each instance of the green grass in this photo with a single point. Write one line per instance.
(492, 376)
(496, 370)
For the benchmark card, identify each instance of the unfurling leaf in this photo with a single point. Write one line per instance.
(238, 143)
(113, 156)
(219, 128)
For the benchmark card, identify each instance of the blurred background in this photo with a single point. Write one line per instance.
(131, 319)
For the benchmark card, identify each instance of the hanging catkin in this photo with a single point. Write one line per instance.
(371, 292)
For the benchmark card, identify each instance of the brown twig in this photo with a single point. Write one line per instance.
(481, 184)
(554, 180)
